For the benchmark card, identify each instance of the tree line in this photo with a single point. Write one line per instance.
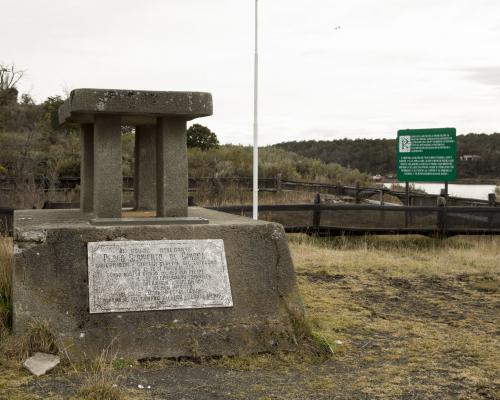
(378, 156)
(33, 146)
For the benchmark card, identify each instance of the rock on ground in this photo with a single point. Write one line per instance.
(40, 363)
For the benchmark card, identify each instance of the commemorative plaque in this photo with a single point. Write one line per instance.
(157, 275)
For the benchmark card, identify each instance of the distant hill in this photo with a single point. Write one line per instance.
(378, 156)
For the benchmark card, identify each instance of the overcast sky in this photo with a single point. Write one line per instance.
(392, 64)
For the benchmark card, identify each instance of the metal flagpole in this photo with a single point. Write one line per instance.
(255, 121)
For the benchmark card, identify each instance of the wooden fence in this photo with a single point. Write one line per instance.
(419, 214)
(360, 219)
(277, 184)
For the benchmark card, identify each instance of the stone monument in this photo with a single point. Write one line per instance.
(185, 282)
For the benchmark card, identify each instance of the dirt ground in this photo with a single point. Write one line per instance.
(406, 318)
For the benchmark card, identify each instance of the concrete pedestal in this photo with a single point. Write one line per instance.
(51, 283)
(161, 175)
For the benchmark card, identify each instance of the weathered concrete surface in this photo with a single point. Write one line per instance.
(108, 179)
(145, 168)
(137, 107)
(161, 146)
(171, 168)
(87, 168)
(41, 363)
(149, 221)
(51, 283)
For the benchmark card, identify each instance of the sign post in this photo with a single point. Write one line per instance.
(255, 183)
(408, 202)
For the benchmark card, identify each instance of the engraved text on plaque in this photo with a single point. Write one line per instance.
(157, 275)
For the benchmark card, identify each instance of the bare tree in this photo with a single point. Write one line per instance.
(9, 76)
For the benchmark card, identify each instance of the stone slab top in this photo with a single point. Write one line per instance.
(38, 220)
(137, 107)
(149, 221)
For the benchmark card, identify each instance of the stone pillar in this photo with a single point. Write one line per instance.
(108, 179)
(87, 168)
(145, 168)
(171, 167)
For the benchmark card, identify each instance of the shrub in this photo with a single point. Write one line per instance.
(236, 161)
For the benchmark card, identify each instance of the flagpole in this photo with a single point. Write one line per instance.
(255, 212)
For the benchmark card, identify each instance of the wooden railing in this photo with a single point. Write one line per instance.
(361, 219)
(465, 216)
(277, 184)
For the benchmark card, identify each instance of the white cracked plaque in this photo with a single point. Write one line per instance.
(157, 275)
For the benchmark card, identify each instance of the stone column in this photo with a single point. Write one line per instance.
(108, 179)
(145, 168)
(87, 168)
(171, 167)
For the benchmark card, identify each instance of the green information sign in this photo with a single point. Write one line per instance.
(427, 155)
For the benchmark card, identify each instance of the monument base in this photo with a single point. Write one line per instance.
(51, 283)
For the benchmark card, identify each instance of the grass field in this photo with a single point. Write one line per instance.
(406, 318)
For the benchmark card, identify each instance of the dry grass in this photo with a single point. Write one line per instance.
(5, 285)
(398, 255)
(100, 379)
(406, 317)
(38, 338)
(416, 316)
(36, 196)
(232, 194)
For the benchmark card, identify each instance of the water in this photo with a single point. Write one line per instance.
(457, 190)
